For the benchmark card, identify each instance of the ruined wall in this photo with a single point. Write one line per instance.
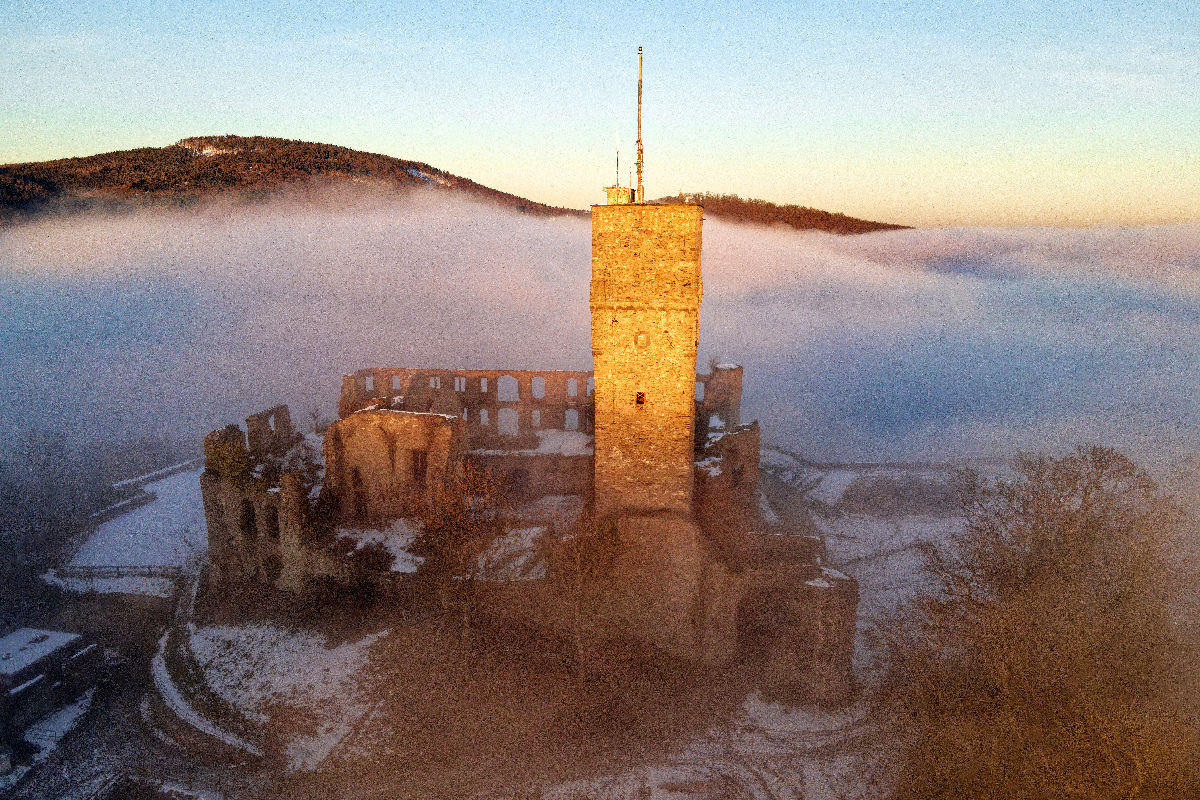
(385, 464)
(806, 622)
(527, 476)
(722, 398)
(240, 511)
(537, 399)
(726, 496)
(269, 433)
(645, 303)
(663, 588)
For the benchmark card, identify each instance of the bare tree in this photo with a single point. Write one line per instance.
(1042, 666)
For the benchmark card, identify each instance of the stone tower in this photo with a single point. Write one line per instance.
(645, 302)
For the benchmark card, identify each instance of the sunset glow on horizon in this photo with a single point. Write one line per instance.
(920, 114)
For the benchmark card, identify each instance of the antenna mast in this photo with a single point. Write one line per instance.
(641, 193)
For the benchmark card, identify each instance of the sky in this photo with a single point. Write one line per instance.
(925, 113)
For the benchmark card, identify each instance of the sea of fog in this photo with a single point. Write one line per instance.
(923, 344)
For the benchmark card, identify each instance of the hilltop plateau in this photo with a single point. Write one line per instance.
(253, 168)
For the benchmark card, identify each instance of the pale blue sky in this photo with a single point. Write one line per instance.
(971, 113)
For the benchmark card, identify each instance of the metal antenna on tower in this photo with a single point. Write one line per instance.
(641, 193)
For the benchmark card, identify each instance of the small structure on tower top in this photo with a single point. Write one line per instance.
(622, 195)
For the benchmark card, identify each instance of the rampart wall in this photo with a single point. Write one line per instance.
(495, 405)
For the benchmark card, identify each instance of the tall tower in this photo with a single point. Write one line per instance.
(645, 302)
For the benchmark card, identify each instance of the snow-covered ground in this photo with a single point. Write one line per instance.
(566, 443)
(883, 554)
(397, 538)
(169, 531)
(767, 752)
(137, 551)
(179, 705)
(265, 671)
(46, 733)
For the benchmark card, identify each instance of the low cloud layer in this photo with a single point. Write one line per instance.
(909, 344)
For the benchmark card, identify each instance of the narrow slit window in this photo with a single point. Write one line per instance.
(420, 465)
(369, 383)
(396, 382)
(536, 418)
(483, 385)
(483, 416)
(572, 388)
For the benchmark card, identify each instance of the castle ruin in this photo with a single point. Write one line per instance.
(644, 447)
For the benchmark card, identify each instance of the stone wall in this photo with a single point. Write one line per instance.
(530, 399)
(800, 621)
(383, 464)
(645, 304)
(527, 476)
(269, 433)
(722, 397)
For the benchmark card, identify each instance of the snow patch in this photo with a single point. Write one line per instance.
(397, 538)
(182, 708)
(554, 442)
(27, 646)
(170, 531)
(257, 667)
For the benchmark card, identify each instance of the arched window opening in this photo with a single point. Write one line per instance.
(507, 389)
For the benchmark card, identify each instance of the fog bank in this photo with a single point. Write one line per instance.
(898, 345)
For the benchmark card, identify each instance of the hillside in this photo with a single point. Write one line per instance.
(197, 167)
(761, 212)
(256, 166)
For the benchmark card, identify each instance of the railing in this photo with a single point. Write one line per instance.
(124, 571)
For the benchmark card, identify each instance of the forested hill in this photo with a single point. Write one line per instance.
(255, 167)
(205, 165)
(761, 212)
